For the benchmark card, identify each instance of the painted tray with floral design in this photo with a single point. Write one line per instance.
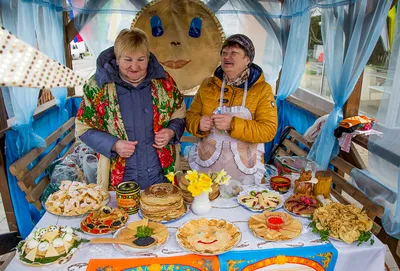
(208, 236)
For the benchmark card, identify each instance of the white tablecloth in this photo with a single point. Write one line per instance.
(351, 257)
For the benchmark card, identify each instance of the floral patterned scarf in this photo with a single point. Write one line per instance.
(239, 80)
(100, 110)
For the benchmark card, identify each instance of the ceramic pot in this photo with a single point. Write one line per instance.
(201, 204)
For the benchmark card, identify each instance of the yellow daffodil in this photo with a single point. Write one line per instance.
(171, 176)
(221, 177)
(192, 175)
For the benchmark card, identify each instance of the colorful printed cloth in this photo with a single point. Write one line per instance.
(317, 258)
(181, 263)
(100, 110)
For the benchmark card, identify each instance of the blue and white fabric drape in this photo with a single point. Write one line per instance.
(349, 35)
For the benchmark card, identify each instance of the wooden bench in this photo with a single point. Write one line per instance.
(27, 176)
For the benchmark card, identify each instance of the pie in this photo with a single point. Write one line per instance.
(208, 236)
(258, 224)
(162, 202)
(76, 198)
(47, 245)
(302, 205)
(105, 220)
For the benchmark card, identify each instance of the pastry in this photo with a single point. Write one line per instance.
(76, 198)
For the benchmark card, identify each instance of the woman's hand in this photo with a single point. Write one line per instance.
(162, 138)
(124, 148)
(222, 121)
(205, 123)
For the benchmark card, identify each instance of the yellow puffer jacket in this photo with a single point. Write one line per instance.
(260, 101)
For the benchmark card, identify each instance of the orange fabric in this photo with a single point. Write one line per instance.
(203, 263)
(353, 121)
(260, 101)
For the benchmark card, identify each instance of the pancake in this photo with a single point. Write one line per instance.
(162, 202)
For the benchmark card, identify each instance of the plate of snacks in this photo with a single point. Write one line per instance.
(49, 245)
(301, 205)
(260, 200)
(347, 223)
(76, 199)
(275, 226)
(208, 236)
(106, 220)
(137, 237)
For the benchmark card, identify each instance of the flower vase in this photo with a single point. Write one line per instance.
(201, 204)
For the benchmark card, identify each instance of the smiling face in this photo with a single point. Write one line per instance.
(208, 236)
(234, 61)
(185, 37)
(133, 66)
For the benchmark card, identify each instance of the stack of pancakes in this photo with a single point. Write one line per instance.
(187, 196)
(162, 202)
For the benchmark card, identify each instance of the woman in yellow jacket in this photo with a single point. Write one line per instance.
(234, 114)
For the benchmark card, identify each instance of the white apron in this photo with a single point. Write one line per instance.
(241, 160)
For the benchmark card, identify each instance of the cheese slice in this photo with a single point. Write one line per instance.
(67, 246)
(51, 252)
(24, 246)
(50, 236)
(31, 255)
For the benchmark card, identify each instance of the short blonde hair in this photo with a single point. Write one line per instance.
(131, 40)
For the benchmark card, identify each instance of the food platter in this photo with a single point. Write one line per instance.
(75, 199)
(160, 233)
(300, 205)
(346, 223)
(46, 246)
(104, 221)
(208, 236)
(290, 228)
(260, 200)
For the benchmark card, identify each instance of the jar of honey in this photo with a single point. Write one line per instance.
(127, 195)
(323, 187)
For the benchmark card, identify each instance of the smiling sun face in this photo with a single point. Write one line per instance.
(208, 236)
(185, 36)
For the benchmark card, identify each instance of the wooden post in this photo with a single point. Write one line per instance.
(4, 190)
(352, 105)
(67, 49)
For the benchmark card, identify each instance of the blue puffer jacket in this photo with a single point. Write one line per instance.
(137, 115)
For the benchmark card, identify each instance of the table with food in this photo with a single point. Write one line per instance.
(287, 223)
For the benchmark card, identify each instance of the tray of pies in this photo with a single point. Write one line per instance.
(76, 199)
(208, 236)
(301, 205)
(46, 246)
(143, 235)
(347, 223)
(106, 220)
(260, 200)
(275, 226)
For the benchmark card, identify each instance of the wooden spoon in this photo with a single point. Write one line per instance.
(121, 242)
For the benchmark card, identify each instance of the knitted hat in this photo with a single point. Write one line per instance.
(244, 42)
